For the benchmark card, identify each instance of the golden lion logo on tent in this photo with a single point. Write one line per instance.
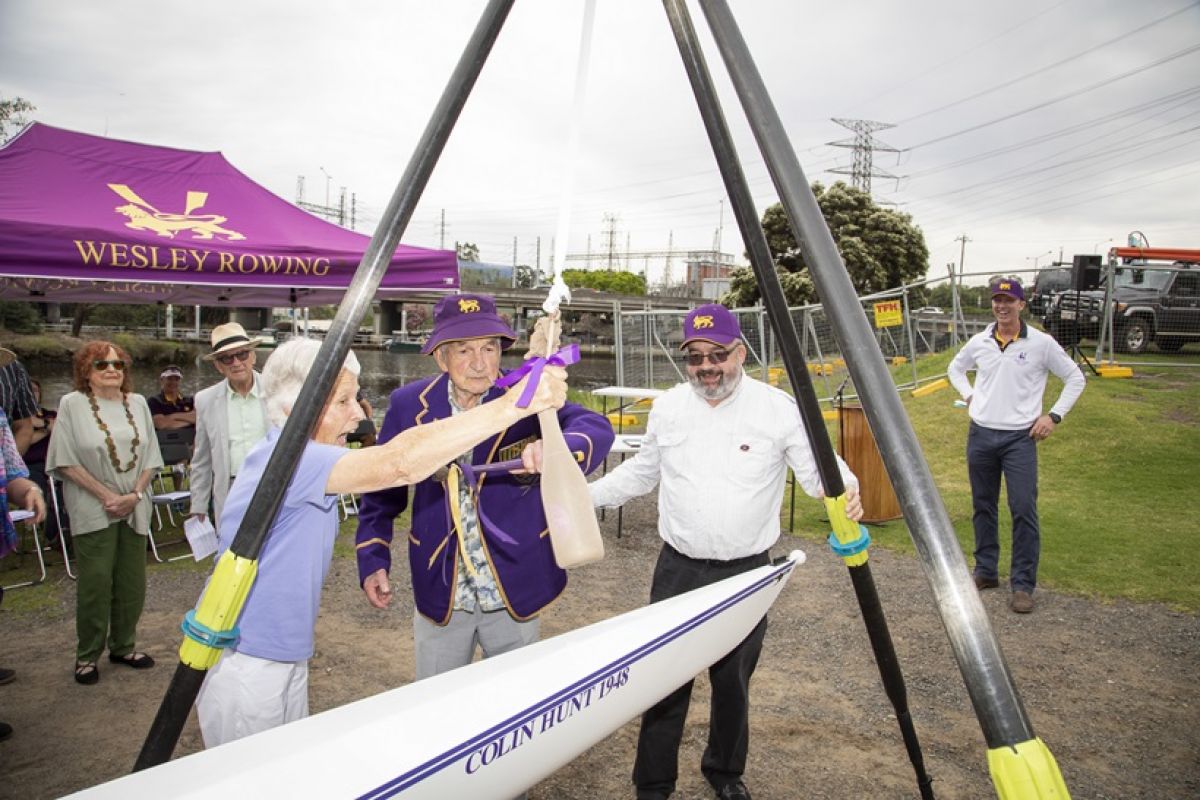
(145, 217)
(468, 306)
(702, 321)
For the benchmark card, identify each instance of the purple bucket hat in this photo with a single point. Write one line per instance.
(710, 323)
(1007, 286)
(467, 316)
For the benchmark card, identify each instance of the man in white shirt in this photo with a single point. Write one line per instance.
(718, 448)
(231, 418)
(1011, 362)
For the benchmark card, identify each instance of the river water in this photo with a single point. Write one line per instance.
(382, 372)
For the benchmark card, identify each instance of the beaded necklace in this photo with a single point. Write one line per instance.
(108, 440)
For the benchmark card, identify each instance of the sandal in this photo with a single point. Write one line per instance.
(135, 660)
(86, 673)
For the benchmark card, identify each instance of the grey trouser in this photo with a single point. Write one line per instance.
(441, 648)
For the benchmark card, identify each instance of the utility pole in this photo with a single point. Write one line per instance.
(539, 256)
(956, 285)
(442, 240)
(332, 213)
(514, 277)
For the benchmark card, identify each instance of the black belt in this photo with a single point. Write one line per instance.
(719, 562)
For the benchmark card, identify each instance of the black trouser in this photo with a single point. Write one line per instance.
(724, 760)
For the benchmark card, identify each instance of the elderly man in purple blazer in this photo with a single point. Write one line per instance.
(479, 551)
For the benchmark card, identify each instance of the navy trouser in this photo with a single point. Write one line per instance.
(724, 759)
(991, 454)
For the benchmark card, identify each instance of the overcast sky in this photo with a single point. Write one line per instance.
(1030, 127)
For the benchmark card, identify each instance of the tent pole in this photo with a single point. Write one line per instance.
(1021, 764)
(234, 575)
(845, 531)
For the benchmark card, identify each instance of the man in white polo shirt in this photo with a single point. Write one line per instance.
(1011, 362)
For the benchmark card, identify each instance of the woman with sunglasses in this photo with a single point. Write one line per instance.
(105, 453)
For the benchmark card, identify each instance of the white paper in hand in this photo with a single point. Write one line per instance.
(201, 535)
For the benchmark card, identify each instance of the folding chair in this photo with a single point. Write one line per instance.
(59, 516)
(349, 505)
(21, 515)
(176, 448)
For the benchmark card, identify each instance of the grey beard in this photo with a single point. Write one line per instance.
(723, 389)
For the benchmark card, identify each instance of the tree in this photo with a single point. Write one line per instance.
(527, 277)
(881, 248)
(467, 251)
(605, 281)
(12, 116)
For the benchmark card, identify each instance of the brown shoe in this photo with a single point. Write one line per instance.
(982, 583)
(1021, 602)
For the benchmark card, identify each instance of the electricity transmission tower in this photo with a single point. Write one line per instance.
(863, 144)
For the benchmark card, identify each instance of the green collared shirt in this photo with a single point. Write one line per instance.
(247, 424)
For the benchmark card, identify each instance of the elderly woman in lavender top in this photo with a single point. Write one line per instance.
(262, 682)
(105, 452)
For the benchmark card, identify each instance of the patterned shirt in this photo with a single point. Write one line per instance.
(14, 467)
(476, 585)
(16, 393)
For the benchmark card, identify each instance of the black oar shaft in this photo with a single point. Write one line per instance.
(168, 723)
(789, 342)
(993, 693)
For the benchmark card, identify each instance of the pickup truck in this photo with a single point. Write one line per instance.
(1149, 305)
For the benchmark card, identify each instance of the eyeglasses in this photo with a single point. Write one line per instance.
(100, 365)
(715, 357)
(229, 358)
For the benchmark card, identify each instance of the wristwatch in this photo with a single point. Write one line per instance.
(1055, 418)
(138, 495)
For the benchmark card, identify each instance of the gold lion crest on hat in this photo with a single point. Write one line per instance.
(702, 321)
(468, 306)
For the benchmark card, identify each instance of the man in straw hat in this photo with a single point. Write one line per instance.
(482, 565)
(1011, 362)
(231, 418)
(718, 448)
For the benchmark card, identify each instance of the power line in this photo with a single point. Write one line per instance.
(1124, 35)
(1060, 98)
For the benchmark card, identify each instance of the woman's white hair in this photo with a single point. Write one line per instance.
(285, 371)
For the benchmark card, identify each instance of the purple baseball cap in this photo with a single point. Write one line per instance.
(1007, 286)
(457, 317)
(710, 323)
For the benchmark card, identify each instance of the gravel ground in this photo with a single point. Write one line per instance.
(1110, 687)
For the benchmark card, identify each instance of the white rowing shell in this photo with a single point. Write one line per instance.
(488, 730)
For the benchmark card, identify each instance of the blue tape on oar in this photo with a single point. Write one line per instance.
(850, 548)
(533, 367)
(197, 631)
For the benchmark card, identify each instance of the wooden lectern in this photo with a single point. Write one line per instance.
(857, 448)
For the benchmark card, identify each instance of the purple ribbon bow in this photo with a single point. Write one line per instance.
(533, 367)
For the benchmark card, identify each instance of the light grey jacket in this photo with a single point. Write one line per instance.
(210, 459)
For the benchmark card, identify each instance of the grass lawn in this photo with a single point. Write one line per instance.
(1116, 486)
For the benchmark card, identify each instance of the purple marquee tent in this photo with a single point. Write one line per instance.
(89, 219)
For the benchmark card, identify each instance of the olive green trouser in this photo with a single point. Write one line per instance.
(111, 590)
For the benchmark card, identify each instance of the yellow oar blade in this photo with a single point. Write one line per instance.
(1026, 771)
